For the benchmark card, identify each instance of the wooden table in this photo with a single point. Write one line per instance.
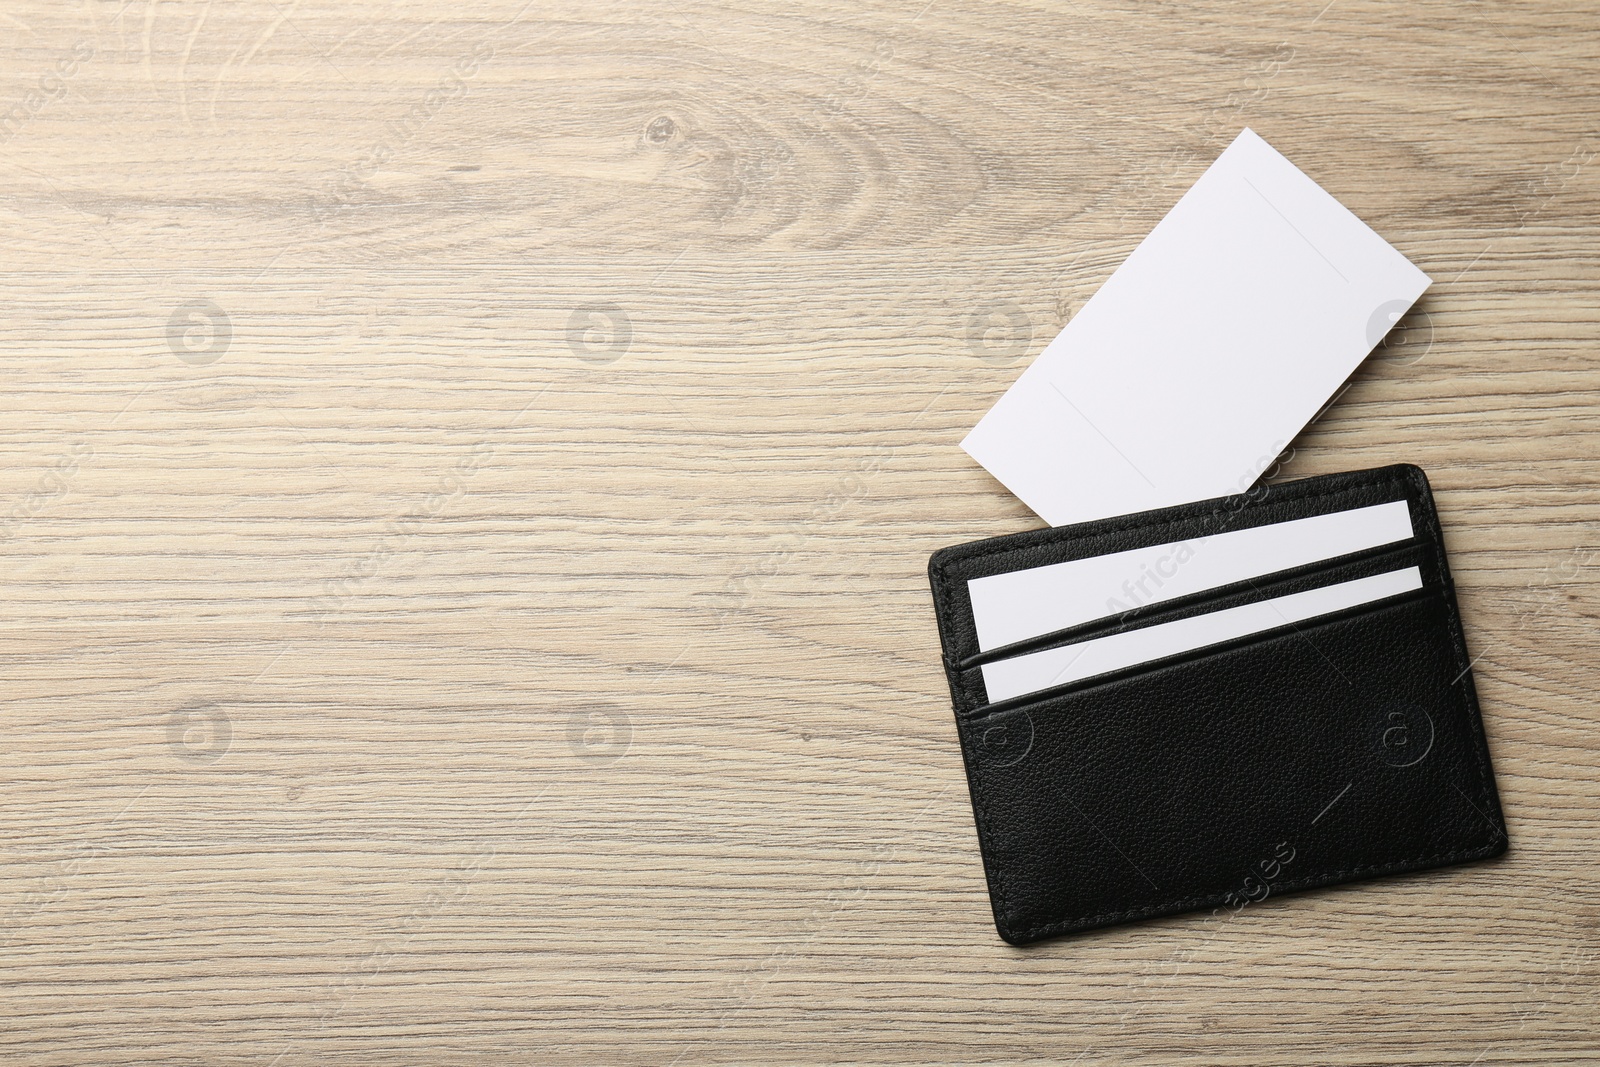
(469, 472)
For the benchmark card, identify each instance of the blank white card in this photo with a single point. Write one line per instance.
(1209, 348)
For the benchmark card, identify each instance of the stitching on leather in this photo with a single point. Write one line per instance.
(980, 811)
(1325, 878)
(1106, 526)
(1469, 707)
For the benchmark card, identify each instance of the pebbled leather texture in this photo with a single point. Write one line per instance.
(1341, 748)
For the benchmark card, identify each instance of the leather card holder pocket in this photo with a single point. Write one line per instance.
(1341, 746)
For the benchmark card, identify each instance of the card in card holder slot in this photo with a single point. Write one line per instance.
(1072, 667)
(1412, 552)
(1082, 662)
(979, 708)
(1017, 604)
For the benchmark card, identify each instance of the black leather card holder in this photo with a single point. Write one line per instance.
(1344, 746)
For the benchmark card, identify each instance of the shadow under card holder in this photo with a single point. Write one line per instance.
(1243, 714)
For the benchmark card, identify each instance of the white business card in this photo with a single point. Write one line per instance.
(1201, 357)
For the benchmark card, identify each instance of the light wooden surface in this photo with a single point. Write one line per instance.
(469, 472)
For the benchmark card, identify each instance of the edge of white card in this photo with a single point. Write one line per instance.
(1333, 288)
(1051, 667)
(1016, 605)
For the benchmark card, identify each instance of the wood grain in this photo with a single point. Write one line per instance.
(469, 471)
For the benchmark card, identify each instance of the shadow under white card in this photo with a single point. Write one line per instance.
(1214, 343)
